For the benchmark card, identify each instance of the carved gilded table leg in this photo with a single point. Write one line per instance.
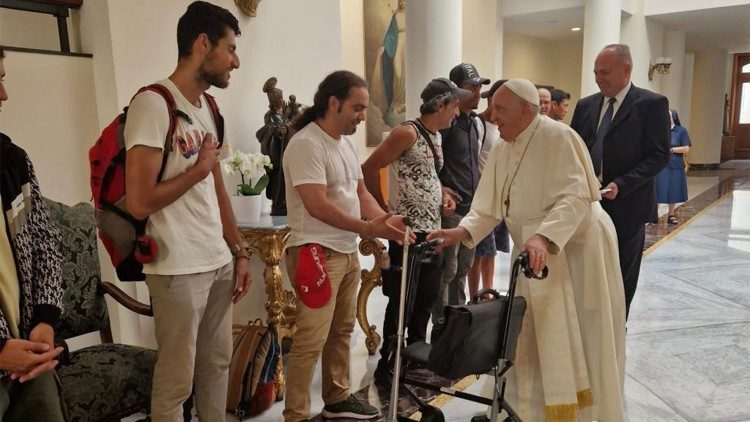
(281, 305)
(370, 279)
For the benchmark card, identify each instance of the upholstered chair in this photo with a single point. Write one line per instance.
(107, 381)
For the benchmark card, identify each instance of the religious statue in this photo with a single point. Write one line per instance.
(293, 108)
(274, 137)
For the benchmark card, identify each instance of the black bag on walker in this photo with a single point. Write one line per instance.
(469, 341)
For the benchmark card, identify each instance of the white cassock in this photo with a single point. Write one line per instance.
(570, 359)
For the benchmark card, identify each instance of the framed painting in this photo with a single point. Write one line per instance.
(385, 67)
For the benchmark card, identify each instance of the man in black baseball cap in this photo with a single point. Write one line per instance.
(412, 153)
(460, 178)
(490, 92)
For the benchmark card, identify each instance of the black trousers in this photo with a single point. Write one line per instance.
(630, 240)
(427, 287)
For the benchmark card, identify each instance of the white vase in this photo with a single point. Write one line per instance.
(247, 208)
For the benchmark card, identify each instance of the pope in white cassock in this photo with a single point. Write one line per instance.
(570, 359)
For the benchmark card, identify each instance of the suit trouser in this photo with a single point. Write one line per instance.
(457, 261)
(34, 400)
(427, 289)
(630, 241)
(193, 329)
(327, 330)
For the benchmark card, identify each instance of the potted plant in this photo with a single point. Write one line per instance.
(247, 201)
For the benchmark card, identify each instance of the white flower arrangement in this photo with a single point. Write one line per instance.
(250, 166)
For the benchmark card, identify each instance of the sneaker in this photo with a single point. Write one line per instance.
(350, 408)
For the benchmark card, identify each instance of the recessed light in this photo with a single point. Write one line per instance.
(575, 28)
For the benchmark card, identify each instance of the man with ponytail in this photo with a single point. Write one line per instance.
(326, 202)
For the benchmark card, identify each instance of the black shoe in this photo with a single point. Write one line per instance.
(383, 375)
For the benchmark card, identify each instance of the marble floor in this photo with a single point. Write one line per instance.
(688, 344)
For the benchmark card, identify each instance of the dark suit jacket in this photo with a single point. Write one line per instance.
(636, 148)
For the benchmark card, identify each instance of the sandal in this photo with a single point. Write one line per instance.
(672, 220)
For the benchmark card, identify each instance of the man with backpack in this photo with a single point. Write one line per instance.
(193, 279)
(30, 290)
(460, 176)
(413, 154)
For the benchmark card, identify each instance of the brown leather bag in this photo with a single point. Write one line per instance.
(252, 371)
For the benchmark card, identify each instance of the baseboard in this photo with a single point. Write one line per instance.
(702, 167)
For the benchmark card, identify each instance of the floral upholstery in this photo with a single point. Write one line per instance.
(107, 381)
(85, 310)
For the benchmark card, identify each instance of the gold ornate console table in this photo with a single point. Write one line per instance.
(370, 280)
(266, 239)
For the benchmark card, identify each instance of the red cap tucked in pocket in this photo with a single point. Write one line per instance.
(311, 281)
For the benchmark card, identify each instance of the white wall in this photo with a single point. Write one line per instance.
(478, 40)
(545, 62)
(299, 42)
(644, 36)
(707, 110)
(35, 30)
(51, 113)
(353, 55)
(687, 90)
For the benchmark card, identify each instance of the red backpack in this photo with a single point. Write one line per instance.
(124, 236)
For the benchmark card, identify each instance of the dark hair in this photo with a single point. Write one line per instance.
(337, 84)
(2, 53)
(558, 95)
(434, 104)
(203, 18)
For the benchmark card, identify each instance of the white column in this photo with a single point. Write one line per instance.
(433, 46)
(601, 27)
(499, 39)
(687, 90)
(671, 85)
(710, 73)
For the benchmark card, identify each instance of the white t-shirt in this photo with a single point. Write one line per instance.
(487, 141)
(188, 231)
(312, 156)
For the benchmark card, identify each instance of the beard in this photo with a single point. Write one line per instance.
(214, 79)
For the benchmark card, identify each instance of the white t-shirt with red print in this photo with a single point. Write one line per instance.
(188, 232)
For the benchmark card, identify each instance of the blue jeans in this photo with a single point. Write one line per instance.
(457, 261)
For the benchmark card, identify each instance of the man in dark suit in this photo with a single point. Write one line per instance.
(626, 130)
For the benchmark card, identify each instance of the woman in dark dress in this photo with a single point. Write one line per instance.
(671, 183)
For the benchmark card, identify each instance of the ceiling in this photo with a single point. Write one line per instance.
(724, 27)
(550, 25)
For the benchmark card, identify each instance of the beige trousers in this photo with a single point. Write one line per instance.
(328, 330)
(193, 328)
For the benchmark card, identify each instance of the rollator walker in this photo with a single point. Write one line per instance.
(486, 330)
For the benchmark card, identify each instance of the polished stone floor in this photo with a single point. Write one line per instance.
(688, 344)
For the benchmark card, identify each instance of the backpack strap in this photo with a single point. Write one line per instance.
(218, 118)
(484, 130)
(426, 135)
(174, 114)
